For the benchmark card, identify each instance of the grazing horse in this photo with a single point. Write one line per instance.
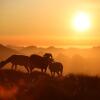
(16, 60)
(56, 67)
(40, 62)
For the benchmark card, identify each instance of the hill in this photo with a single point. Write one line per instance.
(15, 85)
(6, 52)
(29, 50)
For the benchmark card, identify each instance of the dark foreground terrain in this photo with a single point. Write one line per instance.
(15, 85)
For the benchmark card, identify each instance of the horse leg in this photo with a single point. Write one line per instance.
(57, 73)
(51, 73)
(15, 67)
(45, 70)
(31, 69)
(54, 74)
(41, 69)
(27, 69)
(12, 67)
(61, 73)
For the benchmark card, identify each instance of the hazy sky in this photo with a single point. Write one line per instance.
(47, 22)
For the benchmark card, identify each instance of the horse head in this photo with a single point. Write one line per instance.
(49, 57)
(2, 63)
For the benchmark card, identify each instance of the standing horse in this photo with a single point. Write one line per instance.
(56, 67)
(16, 60)
(40, 62)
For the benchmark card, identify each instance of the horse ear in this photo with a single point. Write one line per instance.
(48, 55)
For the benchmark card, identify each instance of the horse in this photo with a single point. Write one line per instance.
(40, 62)
(15, 60)
(56, 67)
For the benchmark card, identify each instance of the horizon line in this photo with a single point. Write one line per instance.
(55, 46)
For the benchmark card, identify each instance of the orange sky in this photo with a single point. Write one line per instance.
(47, 22)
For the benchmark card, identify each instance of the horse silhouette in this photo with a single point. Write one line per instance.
(16, 60)
(56, 67)
(40, 62)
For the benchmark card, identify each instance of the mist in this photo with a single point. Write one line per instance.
(75, 60)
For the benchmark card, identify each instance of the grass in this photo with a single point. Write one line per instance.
(16, 85)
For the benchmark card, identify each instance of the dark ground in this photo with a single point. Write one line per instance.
(15, 85)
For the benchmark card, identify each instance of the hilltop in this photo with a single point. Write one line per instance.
(16, 85)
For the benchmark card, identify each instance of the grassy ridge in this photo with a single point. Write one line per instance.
(15, 85)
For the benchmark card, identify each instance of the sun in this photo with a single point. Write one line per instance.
(81, 21)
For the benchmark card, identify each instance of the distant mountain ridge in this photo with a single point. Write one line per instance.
(6, 51)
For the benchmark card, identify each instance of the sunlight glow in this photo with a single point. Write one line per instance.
(81, 21)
